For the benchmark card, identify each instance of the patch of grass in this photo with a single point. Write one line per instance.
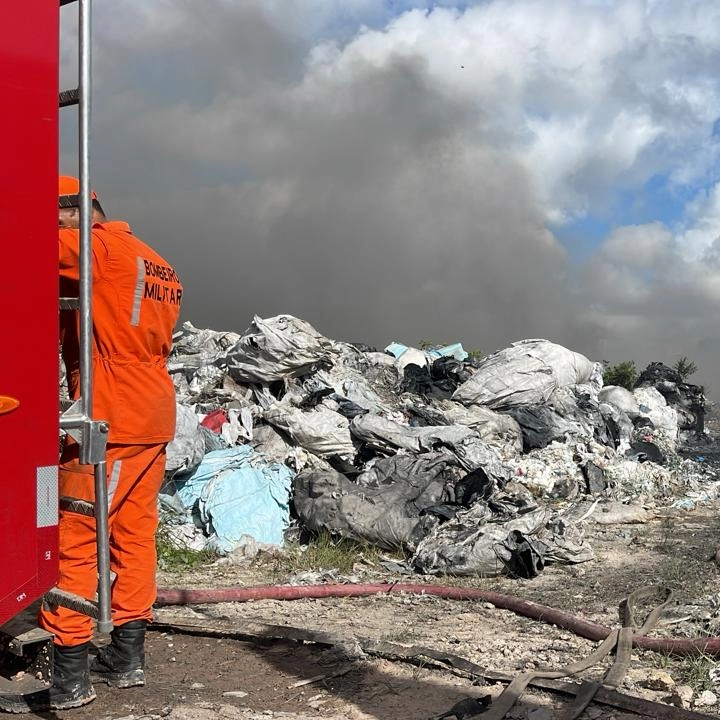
(696, 671)
(692, 670)
(674, 573)
(172, 555)
(667, 538)
(401, 634)
(326, 552)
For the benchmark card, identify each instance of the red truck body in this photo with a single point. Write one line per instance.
(29, 297)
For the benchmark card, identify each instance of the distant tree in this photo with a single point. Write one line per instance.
(429, 345)
(684, 367)
(624, 374)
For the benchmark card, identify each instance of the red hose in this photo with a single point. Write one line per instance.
(535, 611)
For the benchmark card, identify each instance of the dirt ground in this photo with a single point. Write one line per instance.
(199, 676)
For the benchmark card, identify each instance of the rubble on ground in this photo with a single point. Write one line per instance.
(468, 466)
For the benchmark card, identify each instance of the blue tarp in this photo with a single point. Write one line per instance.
(237, 492)
(396, 349)
(455, 350)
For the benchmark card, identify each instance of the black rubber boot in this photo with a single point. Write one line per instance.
(71, 680)
(121, 664)
(71, 686)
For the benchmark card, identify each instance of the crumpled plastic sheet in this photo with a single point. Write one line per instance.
(455, 350)
(405, 356)
(654, 406)
(528, 372)
(541, 425)
(488, 424)
(470, 544)
(277, 348)
(319, 430)
(182, 534)
(621, 398)
(267, 440)
(362, 395)
(385, 504)
(205, 380)
(239, 426)
(556, 472)
(368, 379)
(701, 486)
(687, 399)
(629, 479)
(236, 492)
(389, 436)
(194, 348)
(580, 404)
(474, 453)
(551, 471)
(619, 425)
(186, 451)
(464, 444)
(348, 385)
(438, 381)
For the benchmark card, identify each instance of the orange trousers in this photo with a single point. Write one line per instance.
(135, 475)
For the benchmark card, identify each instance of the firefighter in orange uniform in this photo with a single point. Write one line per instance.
(136, 302)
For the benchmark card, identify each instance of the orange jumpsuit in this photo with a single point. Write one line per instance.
(136, 303)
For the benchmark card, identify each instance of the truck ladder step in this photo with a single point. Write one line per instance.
(17, 645)
(80, 507)
(18, 634)
(69, 97)
(69, 303)
(56, 596)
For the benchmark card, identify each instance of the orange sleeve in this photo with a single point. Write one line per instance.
(69, 254)
(69, 250)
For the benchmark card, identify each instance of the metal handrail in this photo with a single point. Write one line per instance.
(85, 73)
(89, 429)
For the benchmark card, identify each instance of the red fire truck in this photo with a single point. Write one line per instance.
(29, 377)
(29, 291)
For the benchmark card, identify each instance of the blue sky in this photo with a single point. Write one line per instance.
(658, 200)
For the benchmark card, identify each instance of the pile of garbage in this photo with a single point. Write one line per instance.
(469, 466)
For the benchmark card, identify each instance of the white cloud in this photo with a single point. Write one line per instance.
(639, 247)
(702, 225)
(592, 97)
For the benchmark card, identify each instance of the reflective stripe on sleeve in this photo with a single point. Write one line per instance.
(114, 479)
(139, 286)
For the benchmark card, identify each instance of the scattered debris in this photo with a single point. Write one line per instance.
(706, 698)
(682, 696)
(657, 680)
(318, 678)
(492, 466)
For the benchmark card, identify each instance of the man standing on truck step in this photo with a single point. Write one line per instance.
(136, 299)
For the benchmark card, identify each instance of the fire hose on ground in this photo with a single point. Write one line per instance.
(526, 608)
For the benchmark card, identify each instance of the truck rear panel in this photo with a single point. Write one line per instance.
(29, 298)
